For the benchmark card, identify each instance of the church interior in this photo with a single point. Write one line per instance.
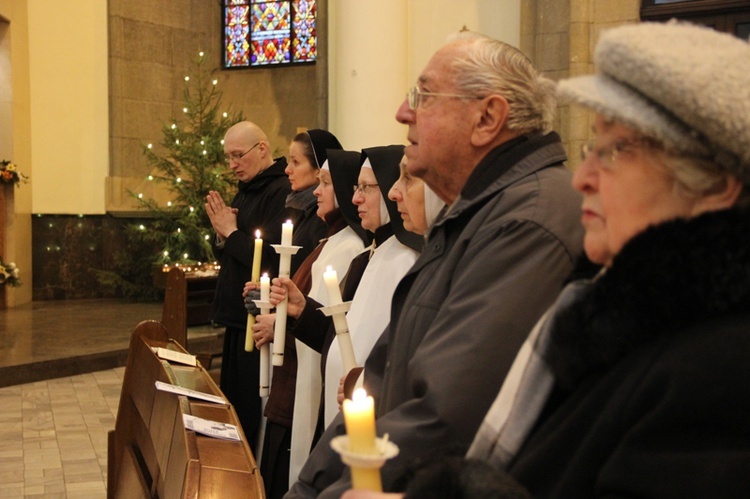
(87, 86)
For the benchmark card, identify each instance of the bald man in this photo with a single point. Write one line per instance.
(258, 205)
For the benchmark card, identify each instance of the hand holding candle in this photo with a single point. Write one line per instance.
(254, 276)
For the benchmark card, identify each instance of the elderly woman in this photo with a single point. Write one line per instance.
(417, 204)
(637, 383)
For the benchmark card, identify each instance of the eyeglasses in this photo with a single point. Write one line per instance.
(363, 188)
(607, 156)
(414, 96)
(236, 157)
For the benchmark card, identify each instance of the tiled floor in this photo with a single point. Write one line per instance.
(53, 436)
(53, 430)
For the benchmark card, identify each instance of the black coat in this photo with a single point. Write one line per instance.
(653, 370)
(261, 206)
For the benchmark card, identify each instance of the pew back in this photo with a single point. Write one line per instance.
(151, 453)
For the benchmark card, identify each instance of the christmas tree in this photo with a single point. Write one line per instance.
(188, 163)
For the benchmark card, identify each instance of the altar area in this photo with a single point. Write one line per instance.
(51, 339)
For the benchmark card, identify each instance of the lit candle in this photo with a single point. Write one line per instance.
(285, 264)
(359, 417)
(332, 286)
(265, 288)
(257, 256)
(286, 233)
(254, 276)
(265, 352)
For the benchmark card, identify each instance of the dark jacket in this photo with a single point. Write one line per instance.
(652, 397)
(260, 204)
(489, 269)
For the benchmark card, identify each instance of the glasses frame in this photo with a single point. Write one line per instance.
(607, 156)
(363, 188)
(414, 96)
(236, 157)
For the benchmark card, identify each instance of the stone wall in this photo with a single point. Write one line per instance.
(560, 36)
(151, 48)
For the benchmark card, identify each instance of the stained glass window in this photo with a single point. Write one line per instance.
(261, 33)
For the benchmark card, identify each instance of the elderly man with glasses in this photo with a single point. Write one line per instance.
(258, 205)
(478, 124)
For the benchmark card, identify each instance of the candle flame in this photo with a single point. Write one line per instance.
(257, 234)
(359, 395)
(328, 268)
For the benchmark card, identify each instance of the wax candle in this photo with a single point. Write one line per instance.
(343, 337)
(332, 286)
(265, 288)
(359, 417)
(265, 352)
(257, 256)
(254, 276)
(286, 233)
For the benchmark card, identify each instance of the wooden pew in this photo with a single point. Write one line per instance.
(151, 453)
(187, 302)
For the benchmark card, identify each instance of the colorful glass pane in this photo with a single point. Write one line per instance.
(304, 30)
(271, 33)
(262, 33)
(236, 31)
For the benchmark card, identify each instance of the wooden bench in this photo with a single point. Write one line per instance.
(187, 302)
(151, 453)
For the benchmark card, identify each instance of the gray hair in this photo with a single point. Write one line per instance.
(696, 177)
(494, 67)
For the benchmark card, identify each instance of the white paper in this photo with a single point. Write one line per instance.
(179, 357)
(216, 429)
(166, 387)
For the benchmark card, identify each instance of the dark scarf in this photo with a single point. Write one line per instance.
(666, 278)
(301, 200)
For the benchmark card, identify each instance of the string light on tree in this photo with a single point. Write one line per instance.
(191, 150)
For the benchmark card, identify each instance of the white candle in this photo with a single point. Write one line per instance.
(265, 288)
(346, 348)
(285, 259)
(287, 230)
(332, 286)
(265, 351)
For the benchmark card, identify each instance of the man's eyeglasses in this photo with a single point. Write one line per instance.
(363, 188)
(414, 96)
(236, 157)
(607, 156)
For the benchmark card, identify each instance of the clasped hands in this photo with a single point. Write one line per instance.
(223, 218)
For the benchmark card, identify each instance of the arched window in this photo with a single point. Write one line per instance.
(732, 16)
(263, 34)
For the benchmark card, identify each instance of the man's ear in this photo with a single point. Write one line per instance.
(491, 120)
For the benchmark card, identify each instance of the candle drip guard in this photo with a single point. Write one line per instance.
(385, 450)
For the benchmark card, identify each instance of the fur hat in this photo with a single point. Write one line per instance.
(683, 85)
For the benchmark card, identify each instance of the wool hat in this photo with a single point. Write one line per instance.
(684, 85)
